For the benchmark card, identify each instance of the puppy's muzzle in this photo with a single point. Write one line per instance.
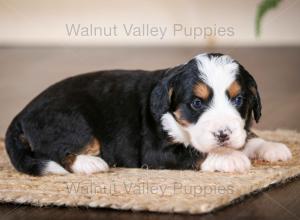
(222, 135)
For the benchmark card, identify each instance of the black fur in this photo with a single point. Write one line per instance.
(122, 109)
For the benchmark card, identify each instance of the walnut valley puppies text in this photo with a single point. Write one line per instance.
(146, 188)
(160, 32)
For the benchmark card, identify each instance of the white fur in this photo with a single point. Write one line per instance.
(267, 150)
(174, 129)
(218, 73)
(232, 161)
(54, 168)
(89, 164)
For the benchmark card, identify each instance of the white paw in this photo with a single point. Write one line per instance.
(226, 160)
(89, 164)
(272, 152)
(55, 168)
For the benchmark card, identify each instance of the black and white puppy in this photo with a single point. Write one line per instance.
(195, 115)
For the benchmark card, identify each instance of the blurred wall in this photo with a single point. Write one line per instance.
(36, 22)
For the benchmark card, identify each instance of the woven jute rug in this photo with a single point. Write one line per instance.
(149, 190)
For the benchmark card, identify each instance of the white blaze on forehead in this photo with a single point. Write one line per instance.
(217, 72)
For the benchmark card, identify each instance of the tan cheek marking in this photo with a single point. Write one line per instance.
(201, 90)
(234, 89)
(180, 119)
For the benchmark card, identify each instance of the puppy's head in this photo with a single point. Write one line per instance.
(207, 102)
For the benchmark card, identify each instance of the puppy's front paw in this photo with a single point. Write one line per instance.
(272, 152)
(226, 160)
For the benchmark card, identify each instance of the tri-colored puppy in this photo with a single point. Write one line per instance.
(173, 118)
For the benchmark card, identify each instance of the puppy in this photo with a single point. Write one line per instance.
(166, 119)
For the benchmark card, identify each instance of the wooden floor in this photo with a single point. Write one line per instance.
(25, 72)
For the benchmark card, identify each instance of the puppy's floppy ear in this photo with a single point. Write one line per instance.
(161, 95)
(252, 86)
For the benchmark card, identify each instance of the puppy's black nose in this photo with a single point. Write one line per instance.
(221, 136)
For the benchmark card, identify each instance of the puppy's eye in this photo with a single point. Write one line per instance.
(237, 101)
(196, 104)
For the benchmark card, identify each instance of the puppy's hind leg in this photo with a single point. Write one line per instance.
(86, 161)
(88, 164)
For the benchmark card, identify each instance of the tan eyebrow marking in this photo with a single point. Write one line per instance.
(234, 89)
(201, 90)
